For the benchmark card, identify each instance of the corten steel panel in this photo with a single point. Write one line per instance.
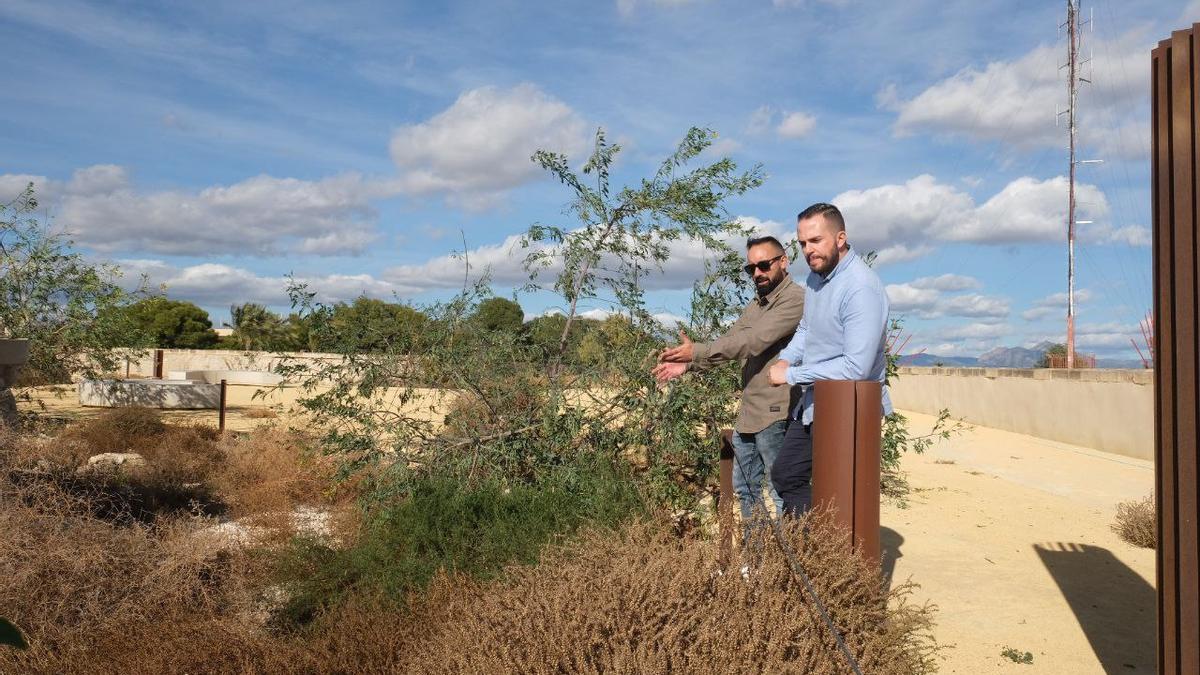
(867, 448)
(1167, 581)
(726, 499)
(1175, 99)
(1186, 348)
(846, 445)
(833, 448)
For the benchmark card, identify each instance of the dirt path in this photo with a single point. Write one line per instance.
(1009, 535)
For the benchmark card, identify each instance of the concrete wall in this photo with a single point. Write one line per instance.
(216, 359)
(1109, 410)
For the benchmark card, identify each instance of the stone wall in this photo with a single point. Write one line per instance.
(1103, 409)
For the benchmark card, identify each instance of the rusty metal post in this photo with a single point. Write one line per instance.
(1175, 133)
(221, 414)
(158, 364)
(726, 499)
(847, 428)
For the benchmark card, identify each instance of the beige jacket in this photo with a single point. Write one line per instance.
(756, 338)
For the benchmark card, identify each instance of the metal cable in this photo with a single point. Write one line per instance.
(795, 567)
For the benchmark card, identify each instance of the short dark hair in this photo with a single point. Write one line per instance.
(765, 239)
(829, 211)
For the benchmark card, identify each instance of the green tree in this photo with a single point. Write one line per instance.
(500, 314)
(1056, 350)
(257, 328)
(374, 326)
(631, 231)
(173, 324)
(70, 310)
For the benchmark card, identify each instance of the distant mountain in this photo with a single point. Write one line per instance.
(935, 360)
(1004, 357)
(1014, 357)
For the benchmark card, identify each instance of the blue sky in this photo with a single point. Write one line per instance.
(219, 146)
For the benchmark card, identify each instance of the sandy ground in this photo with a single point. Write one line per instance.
(1009, 536)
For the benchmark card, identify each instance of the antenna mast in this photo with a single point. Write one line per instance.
(1073, 26)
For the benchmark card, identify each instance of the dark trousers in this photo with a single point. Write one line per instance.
(791, 474)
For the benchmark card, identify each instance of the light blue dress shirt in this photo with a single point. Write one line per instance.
(842, 333)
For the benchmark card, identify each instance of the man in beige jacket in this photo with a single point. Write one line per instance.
(755, 339)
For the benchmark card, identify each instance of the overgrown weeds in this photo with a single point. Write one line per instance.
(642, 600)
(1137, 522)
(444, 523)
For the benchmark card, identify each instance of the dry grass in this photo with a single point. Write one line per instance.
(1137, 522)
(96, 594)
(644, 601)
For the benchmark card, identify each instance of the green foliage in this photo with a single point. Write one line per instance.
(11, 636)
(1059, 350)
(524, 404)
(257, 328)
(69, 309)
(500, 314)
(630, 232)
(444, 523)
(1017, 656)
(172, 324)
(373, 325)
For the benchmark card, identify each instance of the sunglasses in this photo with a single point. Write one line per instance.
(762, 265)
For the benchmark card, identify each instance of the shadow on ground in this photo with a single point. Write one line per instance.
(1115, 607)
(889, 549)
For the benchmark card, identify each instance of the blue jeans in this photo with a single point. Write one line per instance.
(753, 455)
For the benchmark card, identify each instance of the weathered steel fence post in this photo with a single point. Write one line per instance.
(847, 431)
(1176, 145)
(221, 406)
(726, 499)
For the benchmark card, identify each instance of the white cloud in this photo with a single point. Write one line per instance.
(1028, 209)
(796, 125)
(1054, 304)
(923, 298)
(264, 215)
(504, 262)
(790, 124)
(971, 331)
(903, 221)
(946, 282)
(212, 284)
(481, 145)
(1015, 101)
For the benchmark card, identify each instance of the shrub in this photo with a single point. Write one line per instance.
(445, 524)
(642, 600)
(1137, 522)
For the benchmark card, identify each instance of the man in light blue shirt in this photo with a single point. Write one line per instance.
(841, 337)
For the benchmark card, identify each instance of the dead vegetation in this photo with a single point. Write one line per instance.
(1137, 522)
(95, 592)
(645, 601)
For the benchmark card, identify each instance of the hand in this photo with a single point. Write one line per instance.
(778, 373)
(665, 372)
(681, 354)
